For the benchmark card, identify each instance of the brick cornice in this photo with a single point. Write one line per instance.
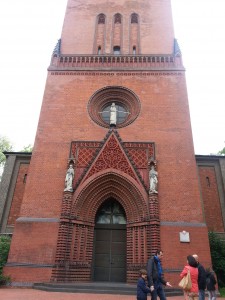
(112, 62)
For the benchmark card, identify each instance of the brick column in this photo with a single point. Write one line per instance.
(154, 222)
(66, 205)
(63, 251)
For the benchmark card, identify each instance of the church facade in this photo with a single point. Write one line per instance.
(113, 175)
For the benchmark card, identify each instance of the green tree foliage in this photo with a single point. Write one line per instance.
(222, 152)
(4, 251)
(28, 148)
(217, 248)
(5, 145)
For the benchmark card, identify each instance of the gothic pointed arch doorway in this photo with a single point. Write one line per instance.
(109, 255)
(82, 215)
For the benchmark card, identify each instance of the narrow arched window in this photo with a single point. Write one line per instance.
(134, 18)
(207, 181)
(134, 38)
(117, 34)
(117, 19)
(99, 35)
(101, 19)
(116, 50)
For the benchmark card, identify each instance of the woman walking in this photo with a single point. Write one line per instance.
(192, 267)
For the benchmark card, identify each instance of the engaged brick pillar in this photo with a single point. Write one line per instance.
(66, 204)
(63, 251)
(154, 222)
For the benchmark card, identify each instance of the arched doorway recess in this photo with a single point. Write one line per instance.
(109, 254)
(76, 239)
(88, 199)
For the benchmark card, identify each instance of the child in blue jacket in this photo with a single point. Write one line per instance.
(142, 289)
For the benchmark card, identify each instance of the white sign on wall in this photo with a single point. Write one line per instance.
(184, 237)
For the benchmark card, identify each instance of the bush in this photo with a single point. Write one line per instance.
(4, 251)
(222, 292)
(4, 279)
(217, 248)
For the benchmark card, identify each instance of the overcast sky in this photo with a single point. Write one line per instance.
(29, 31)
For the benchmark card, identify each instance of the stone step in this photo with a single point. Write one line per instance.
(97, 288)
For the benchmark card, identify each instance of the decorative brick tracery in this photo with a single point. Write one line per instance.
(129, 155)
(112, 157)
(84, 152)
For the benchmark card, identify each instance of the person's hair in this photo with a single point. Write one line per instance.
(196, 257)
(192, 261)
(157, 252)
(143, 272)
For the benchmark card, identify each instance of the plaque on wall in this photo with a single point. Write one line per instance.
(184, 237)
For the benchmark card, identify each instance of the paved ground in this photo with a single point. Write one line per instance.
(30, 294)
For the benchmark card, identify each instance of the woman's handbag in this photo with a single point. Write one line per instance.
(185, 282)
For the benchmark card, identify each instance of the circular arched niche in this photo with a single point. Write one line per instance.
(127, 103)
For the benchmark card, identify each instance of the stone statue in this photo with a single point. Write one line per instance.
(113, 114)
(69, 179)
(153, 180)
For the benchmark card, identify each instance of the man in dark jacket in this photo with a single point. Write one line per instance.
(155, 276)
(201, 279)
(211, 284)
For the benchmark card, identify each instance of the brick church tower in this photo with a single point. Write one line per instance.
(113, 174)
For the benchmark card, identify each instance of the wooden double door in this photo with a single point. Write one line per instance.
(110, 253)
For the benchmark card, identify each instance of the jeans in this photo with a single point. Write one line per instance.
(158, 291)
(212, 295)
(201, 294)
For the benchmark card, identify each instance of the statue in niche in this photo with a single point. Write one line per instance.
(153, 180)
(69, 179)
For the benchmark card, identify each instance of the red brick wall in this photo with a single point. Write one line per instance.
(210, 196)
(34, 242)
(176, 252)
(23, 274)
(155, 24)
(18, 194)
(171, 243)
(164, 119)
